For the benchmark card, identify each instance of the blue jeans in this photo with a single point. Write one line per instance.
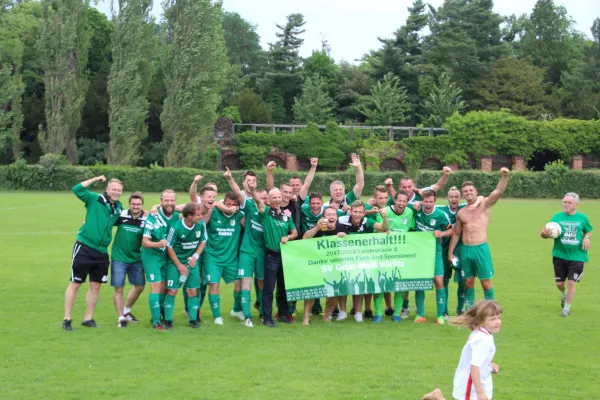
(134, 271)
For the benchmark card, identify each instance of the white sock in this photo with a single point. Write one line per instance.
(121, 318)
(126, 310)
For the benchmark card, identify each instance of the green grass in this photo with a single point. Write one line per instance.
(541, 355)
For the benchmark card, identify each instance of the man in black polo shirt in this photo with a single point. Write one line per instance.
(90, 254)
(278, 229)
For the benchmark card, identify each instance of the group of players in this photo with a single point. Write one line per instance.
(238, 240)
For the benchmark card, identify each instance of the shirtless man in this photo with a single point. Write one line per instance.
(475, 259)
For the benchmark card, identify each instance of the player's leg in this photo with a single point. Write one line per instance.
(118, 271)
(259, 273)
(438, 282)
(98, 276)
(173, 286)
(435, 395)
(193, 301)
(135, 273)
(330, 304)
(485, 270)
(405, 306)
(308, 304)
(468, 268)
(212, 276)
(246, 300)
(230, 274)
(269, 287)
(398, 299)
(389, 310)
(460, 292)
(368, 307)
(281, 294)
(574, 274)
(447, 277)
(420, 301)
(70, 296)
(357, 302)
(379, 298)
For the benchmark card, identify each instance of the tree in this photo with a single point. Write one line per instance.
(354, 82)
(517, 85)
(253, 109)
(242, 41)
(314, 105)
(444, 100)
(64, 44)
(321, 66)
(133, 47)
(194, 66)
(387, 104)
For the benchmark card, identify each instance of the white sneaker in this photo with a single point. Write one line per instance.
(341, 316)
(248, 323)
(358, 317)
(239, 315)
(404, 313)
(219, 321)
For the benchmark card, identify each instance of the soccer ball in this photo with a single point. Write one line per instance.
(554, 228)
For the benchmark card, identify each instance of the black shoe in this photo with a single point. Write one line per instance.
(67, 325)
(335, 312)
(389, 312)
(315, 311)
(257, 305)
(168, 324)
(270, 324)
(131, 318)
(158, 327)
(368, 314)
(353, 311)
(198, 320)
(122, 323)
(194, 324)
(90, 323)
(284, 318)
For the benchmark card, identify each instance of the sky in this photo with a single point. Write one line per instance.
(352, 26)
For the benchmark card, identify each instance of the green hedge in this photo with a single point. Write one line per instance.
(522, 184)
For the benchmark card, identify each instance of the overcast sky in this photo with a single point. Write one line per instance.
(352, 26)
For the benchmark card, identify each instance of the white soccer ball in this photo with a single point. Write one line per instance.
(554, 228)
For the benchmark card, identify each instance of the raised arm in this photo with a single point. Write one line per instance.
(389, 183)
(194, 188)
(360, 176)
(309, 178)
(234, 186)
(270, 181)
(260, 206)
(90, 182)
(439, 185)
(383, 226)
(500, 188)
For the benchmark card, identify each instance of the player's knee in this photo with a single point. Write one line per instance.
(560, 285)
(95, 286)
(171, 292)
(192, 292)
(139, 288)
(213, 288)
(119, 290)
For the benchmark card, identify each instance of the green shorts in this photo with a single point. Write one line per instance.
(252, 264)
(476, 261)
(439, 262)
(155, 269)
(193, 279)
(212, 272)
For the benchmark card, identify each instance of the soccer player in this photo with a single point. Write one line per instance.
(90, 254)
(278, 229)
(415, 194)
(185, 243)
(154, 255)
(475, 257)
(432, 219)
(355, 223)
(220, 259)
(570, 249)
(337, 188)
(194, 188)
(126, 258)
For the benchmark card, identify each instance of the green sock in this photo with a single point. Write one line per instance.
(161, 300)
(202, 294)
(398, 299)
(469, 298)
(440, 299)
(420, 300)
(246, 303)
(404, 303)
(378, 304)
(193, 303)
(154, 302)
(237, 301)
(460, 294)
(215, 304)
(169, 306)
(489, 294)
(185, 300)
(446, 281)
(260, 301)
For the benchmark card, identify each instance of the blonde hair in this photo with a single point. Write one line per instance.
(167, 191)
(476, 315)
(115, 180)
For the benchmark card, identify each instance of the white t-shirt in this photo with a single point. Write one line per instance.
(478, 351)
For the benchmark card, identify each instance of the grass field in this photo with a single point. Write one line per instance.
(541, 355)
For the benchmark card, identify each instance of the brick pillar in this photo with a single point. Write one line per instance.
(454, 167)
(518, 163)
(577, 163)
(291, 162)
(486, 163)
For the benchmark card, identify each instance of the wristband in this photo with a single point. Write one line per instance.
(587, 237)
(196, 256)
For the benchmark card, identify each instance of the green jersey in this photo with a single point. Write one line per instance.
(399, 222)
(452, 217)
(349, 198)
(100, 217)
(128, 240)
(415, 197)
(275, 226)
(156, 229)
(568, 245)
(185, 240)
(253, 240)
(224, 237)
(308, 219)
(437, 220)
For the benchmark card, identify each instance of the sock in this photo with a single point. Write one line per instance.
(237, 301)
(246, 303)
(193, 303)
(567, 306)
(215, 305)
(378, 304)
(202, 294)
(291, 307)
(398, 299)
(260, 300)
(126, 310)
(162, 303)
(121, 318)
(460, 294)
(469, 298)
(420, 300)
(185, 300)
(154, 302)
(446, 281)
(169, 305)
(489, 294)
(404, 303)
(440, 299)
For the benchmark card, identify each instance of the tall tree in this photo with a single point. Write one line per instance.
(194, 66)
(387, 104)
(314, 105)
(321, 66)
(133, 47)
(444, 100)
(242, 41)
(354, 82)
(64, 45)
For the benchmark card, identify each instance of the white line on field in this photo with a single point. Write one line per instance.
(34, 233)
(36, 206)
